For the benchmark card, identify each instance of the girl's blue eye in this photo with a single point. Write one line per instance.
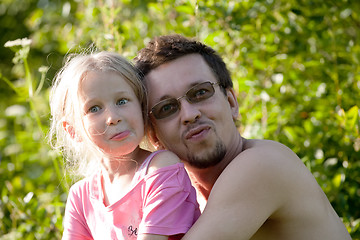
(122, 101)
(94, 109)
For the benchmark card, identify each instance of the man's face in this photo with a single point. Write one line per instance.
(199, 133)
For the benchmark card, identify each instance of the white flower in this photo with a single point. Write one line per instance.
(15, 110)
(18, 42)
(43, 69)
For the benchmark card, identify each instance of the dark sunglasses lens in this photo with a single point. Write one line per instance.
(165, 108)
(200, 92)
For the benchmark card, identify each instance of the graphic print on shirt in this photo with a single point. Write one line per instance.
(127, 229)
(132, 231)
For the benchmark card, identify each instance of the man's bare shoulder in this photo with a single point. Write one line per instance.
(257, 144)
(269, 181)
(266, 153)
(272, 168)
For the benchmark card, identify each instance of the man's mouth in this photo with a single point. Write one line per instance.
(197, 133)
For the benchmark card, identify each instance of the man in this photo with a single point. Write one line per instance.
(253, 189)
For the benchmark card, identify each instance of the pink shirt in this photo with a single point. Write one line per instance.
(162, 202)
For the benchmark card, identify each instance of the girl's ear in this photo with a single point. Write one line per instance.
(234, 105)
(71, 131)
(151, 135)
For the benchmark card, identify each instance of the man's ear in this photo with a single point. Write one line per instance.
(71, 131)
(234, 105)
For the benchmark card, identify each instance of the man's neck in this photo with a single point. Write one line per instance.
(204, 179)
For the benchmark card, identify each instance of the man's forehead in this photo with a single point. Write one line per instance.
(179, 72)
(159, 89)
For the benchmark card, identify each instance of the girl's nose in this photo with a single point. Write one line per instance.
(113, 117)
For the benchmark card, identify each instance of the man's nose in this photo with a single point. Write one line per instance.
(189, 112)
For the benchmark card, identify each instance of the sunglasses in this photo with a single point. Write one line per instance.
(198, 93)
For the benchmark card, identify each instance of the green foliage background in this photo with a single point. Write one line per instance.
(295, 65)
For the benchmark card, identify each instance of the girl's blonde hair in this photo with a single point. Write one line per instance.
(81, 155)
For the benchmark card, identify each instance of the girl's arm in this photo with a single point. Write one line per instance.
(75, 227)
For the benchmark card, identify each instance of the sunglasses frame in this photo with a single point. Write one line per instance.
(177, 100)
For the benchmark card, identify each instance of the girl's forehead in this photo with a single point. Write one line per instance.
(104, 82)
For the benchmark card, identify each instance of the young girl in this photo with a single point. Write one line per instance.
(98, 108)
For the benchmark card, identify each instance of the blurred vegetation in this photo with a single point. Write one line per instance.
(295, 65)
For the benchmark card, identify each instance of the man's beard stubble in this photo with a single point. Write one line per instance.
(212, 159)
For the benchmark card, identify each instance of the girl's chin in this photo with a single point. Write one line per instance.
(122, 152)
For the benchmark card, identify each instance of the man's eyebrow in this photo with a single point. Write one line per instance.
(165, 97)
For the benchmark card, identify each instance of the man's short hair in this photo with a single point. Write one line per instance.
(166, 48)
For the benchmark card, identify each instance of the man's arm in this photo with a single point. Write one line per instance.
(247, 193)
(152, 237)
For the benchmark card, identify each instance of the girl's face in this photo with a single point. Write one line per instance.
(111, 113)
